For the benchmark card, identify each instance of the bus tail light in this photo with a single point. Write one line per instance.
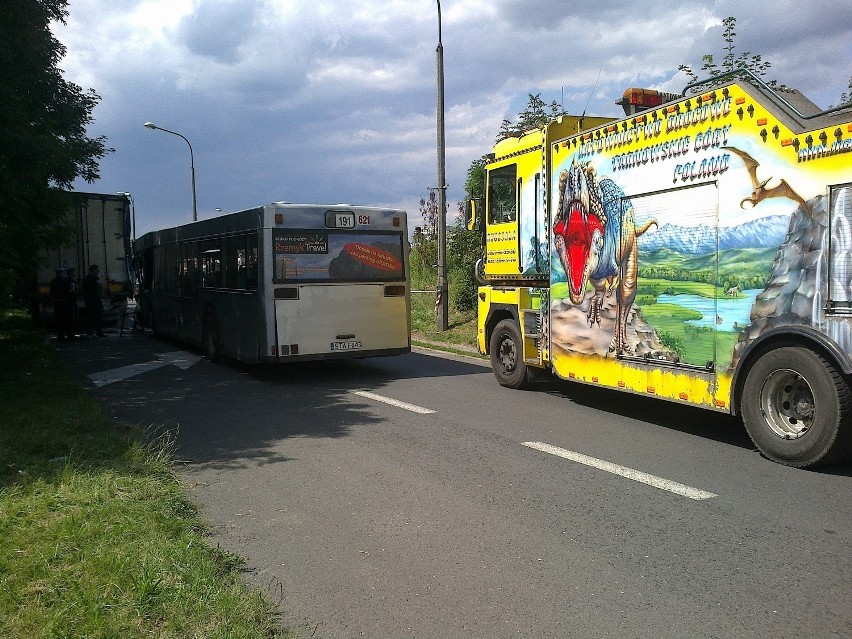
(395, 291)
(274, 350)
(289, 349)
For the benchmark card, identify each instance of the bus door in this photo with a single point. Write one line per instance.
(340, 292)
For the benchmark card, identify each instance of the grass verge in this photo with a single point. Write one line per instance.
(98, 537)
(460, 336)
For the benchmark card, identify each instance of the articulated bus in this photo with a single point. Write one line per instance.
(280, 282)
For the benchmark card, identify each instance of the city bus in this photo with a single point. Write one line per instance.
(280, 282)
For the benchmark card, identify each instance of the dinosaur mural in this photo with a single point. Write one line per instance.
(594, 235)
(761, 191)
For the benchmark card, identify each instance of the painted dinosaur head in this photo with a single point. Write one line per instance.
(578, 232)
(578, 238)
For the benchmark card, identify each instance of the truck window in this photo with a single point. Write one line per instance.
(502, 197)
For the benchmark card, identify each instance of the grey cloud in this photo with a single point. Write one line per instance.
(217, 30)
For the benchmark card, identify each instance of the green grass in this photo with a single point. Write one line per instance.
(462, 324)
(695, 345)
(98, 537)
(649, 286)
(676, 287)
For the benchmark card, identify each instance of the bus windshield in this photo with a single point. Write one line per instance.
(337, 256)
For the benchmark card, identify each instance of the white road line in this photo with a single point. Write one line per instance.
(623, 471)
(394, 402)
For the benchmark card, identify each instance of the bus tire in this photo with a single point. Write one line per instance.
(212, 339)
(797, 408)
(507, 355)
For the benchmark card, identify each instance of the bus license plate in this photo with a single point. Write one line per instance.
(345, 346)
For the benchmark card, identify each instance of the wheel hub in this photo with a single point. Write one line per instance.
(508, 355)
(787, 404)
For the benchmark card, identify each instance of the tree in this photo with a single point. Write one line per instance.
(846, 96)
(730, 62)
(43, 142)
(425, 241)
(534, 116)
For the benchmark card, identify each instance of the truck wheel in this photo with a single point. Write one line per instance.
(212, 339)
(507, 355)
(797, 408)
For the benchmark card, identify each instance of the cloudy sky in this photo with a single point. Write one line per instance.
(333, 101)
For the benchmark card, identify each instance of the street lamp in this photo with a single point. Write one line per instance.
(151, 125)
(442, 305)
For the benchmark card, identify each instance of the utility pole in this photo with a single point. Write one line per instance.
(442, 301)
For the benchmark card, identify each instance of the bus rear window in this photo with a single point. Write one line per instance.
(330, 256)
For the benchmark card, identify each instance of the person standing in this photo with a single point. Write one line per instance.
(60, 294)
(92, 296)
(73, 296)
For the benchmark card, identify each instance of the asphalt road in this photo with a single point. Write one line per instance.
(361, 518)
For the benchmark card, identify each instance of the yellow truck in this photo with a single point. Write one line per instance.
(697, 250)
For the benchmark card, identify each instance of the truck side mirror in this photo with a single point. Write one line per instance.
(472, 213)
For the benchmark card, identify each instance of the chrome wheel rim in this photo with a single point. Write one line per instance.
(787, 404)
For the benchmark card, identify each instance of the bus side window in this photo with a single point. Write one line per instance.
(242, 268)
(230, 261)
(189, 269)
(211, 264)
(251, 256)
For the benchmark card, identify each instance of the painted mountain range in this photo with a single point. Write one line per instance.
(764, 232)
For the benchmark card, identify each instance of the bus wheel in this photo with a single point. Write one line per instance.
(212, 339)
(797, 408)
(507, 355)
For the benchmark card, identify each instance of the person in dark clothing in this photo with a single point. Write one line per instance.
(73, 295)
(92, 296)
(60, 295)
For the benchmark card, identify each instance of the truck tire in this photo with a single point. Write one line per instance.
(797, 408)
(507, 355)
(212, 339)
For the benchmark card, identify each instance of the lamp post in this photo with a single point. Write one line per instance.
(442, 305)
(151, 125)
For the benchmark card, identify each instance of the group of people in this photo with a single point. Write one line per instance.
(64, 295)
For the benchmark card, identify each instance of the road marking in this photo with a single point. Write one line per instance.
(394, 402)
(181, 359)
(623, 471)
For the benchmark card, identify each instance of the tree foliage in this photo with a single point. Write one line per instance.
(846, 96)
(536, 114)
(730, 61)
(44, 147)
